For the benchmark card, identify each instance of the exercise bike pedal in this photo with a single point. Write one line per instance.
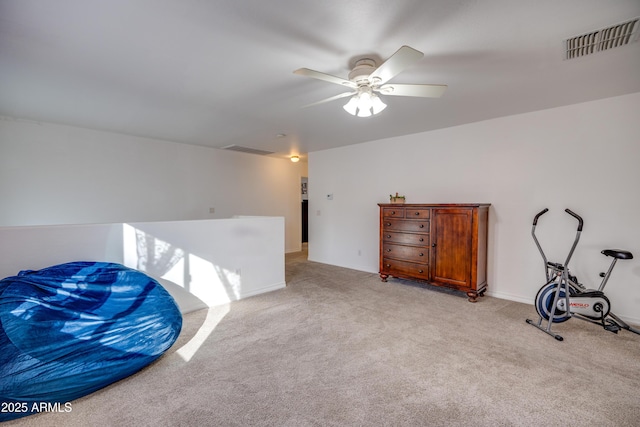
(612, 327)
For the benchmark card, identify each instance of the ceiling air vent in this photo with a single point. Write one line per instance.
(234, 147)
(604, 39)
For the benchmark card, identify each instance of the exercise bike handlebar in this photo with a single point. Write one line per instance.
(573, 247)
(576, 216)
(535, 239)
(575, 242)
(542, 212)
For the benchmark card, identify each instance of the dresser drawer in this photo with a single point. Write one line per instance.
(406, 238)
(417, 213)
(416, 226)
(407, 253)
(393, 212)
(403, 268)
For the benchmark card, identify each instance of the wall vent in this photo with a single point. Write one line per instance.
(604, 39)
(234, 147)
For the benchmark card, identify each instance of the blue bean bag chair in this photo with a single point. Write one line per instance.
(71, 329)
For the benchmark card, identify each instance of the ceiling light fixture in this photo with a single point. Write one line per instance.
(295, 159)
(367, 79)
(365, 103)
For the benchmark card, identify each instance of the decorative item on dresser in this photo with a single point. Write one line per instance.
(397, 199)
(441, 244)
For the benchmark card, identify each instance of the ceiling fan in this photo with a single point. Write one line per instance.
(366, 81)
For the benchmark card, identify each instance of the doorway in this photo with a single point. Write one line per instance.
(305, 209)
(305, 221)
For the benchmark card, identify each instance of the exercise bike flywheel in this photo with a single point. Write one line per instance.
(544, 303)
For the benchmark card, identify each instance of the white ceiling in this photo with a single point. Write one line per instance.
(220, 72)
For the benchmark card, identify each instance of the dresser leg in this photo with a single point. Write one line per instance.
(473, 296)
(383, 277)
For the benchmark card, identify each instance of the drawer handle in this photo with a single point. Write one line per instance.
(420, 271)
(421, 254)
(433, 245)
(388, 236)
(393, 212)
(421, 225)
(388, 265)
(421, 239)
(388, 224)
(417, 213)
(388, 250)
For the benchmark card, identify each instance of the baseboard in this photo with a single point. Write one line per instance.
(510, 297)
(633, 321)
(188, 302)
(264, 290)
(349, 267)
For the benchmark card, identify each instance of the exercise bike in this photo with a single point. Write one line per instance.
(563, 296)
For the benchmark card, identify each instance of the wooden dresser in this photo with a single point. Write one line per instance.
(441, 244)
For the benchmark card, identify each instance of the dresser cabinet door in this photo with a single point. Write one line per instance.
(452, 246)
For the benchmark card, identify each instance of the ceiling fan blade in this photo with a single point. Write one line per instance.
(424, 91)
(333, 98)
(400, 60)
(326, 77)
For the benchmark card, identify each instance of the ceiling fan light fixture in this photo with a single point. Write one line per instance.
(364, 104)
(377, 105)
(364, 112)
(351, 107)
(365, 79)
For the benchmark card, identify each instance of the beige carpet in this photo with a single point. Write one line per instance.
(338, 347)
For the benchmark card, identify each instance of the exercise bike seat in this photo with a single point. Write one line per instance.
(618, 253)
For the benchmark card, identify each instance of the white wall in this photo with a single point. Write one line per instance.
(585, 157)
(51, 174)
(201, 263)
